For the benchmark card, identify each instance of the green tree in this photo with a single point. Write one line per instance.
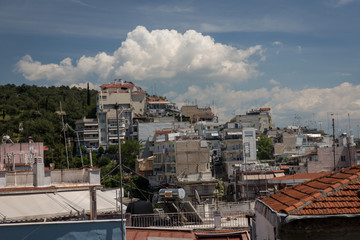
(130, 150)
(138, 187)
(265, 148)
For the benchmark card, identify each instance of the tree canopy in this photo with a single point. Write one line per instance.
(265, 148)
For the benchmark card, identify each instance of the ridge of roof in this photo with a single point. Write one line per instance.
(294, 199)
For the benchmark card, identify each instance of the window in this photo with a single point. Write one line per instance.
(248, 133)
(247, 149)
(342, 158)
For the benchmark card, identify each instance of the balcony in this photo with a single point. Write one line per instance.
(114, 126)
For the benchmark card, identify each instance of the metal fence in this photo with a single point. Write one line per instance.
(192, 220)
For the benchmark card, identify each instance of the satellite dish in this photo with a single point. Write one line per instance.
(197, 197)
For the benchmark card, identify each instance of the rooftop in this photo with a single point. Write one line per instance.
(307, 176)
(331, 194)
(146, 233)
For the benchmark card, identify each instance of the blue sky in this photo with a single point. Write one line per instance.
(297, 57)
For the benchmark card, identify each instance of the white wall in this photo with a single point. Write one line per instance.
(264, 229)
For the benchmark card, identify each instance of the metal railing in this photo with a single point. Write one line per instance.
(189, 220)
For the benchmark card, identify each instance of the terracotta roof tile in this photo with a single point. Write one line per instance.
(331, 194)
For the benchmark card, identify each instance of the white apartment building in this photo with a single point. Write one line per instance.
(88, 130)
(259, 118)
(238, 147)
(164, 156)
(130, 101)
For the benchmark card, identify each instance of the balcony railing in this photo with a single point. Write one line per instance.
(190, 220)
(112, 126)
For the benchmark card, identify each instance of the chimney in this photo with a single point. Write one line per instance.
(38, 172)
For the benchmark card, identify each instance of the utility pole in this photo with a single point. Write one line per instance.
(334, 145)
(66, 149)
(120, 168)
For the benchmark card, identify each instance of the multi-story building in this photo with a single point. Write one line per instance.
(193, 162)
(315, 152)
(260, 119)
(249, 142)
(194, 114)
(238, 147)
(252, 180)
(192, 156)
(88, 130)
(164, 156)
(160, 108)
(130, 101)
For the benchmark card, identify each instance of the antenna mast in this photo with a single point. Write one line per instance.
(334, 145)
(62, 120)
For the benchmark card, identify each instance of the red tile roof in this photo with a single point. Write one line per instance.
(164, 131)
(331, 194)
(156, 99)
(117, 85)
(146, 233)
(223, 235)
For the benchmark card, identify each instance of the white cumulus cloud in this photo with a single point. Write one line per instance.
(153, 54)
(284, 102)
(274, 82)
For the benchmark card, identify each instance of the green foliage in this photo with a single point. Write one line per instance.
(130, 149)
(112, 149)
(138, 187)
(265, 148)
(101, 150)
(35, 108)
(220, 187)
(110, 177)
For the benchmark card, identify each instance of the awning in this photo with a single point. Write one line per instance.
(37, 206)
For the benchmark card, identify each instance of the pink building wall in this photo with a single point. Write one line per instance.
(22, 153)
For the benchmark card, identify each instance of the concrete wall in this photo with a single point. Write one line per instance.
(264, 229)
(94, 176)
(191, 157)
(19, 178)
(53, 177)
(267, 222)
(326, 159)
(112, 98)
(69, 176)
(99, 229)
(139, 103)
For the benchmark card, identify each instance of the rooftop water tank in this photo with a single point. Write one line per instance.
(172, 193)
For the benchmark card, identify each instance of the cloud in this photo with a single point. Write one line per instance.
(345, 74)
(65, 72)
(173, 9)
(338, 3)
(277, 43)
(284, 102)
(299, 48)
(146, 55)
(84, 85)
(274, 82)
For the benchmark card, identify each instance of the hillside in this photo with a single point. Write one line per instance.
(34, 111)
